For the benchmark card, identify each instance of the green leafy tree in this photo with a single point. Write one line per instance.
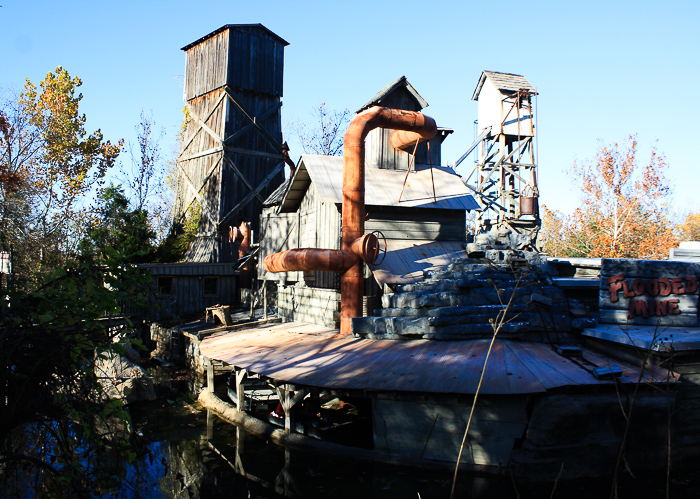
(49, 167)
(59, 436)
(115, 226)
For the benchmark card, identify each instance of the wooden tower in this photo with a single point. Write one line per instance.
(230, 157)
(504, 178)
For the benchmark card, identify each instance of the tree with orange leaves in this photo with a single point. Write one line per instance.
(689, 228)
(624, 211)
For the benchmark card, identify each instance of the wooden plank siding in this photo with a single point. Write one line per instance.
(417, 223)
(422, 430)
(309, 304)
(230, 158)
(186, 295)
(243, 56)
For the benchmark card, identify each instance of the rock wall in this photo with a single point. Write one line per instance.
(467, 299)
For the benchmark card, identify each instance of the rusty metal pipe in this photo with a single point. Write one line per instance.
(365, 248)
(353, 225)
(356, 246)
(305, 259)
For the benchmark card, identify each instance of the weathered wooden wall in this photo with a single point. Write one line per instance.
(249, 57)
(230, 158)
(378, 150)
(320, 228)
(187, 294)
(413, 429)
(417, 223)
(306, 304)
(279, 232)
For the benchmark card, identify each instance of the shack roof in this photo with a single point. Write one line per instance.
(317, 356)
(503, 81)
(399, 82)
(249, 27)
(382, 186)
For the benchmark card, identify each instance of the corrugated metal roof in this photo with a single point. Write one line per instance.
(407, 259)
(277, 195)
(235, 26)
(503, 81)
(317, 356)
(190, 268)
(382, 187)
(401, 81)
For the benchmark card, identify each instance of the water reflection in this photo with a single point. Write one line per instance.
(197, 455)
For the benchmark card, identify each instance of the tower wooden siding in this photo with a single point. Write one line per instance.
(247, 57)
(496, 107)
(230, 159)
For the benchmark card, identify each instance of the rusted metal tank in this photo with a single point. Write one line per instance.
(529, 205)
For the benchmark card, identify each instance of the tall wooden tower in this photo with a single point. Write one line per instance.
(230, 157)
(504, 178)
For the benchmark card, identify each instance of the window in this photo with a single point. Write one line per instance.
(211, 286)
(165, 285)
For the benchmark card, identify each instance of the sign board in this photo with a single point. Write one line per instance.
(649, 292)
(5, 262)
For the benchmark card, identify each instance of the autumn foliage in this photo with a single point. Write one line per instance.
(50, 166)
(623, 212)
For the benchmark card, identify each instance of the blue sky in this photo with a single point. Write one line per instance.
(603, 69)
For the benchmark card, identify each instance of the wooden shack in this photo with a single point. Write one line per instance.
(184, 289)
(421, 212)
(230, 159)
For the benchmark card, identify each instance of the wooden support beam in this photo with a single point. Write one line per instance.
(275, 145)
(214, 150)
(189, 141)
(233, 167)
(210, 376)
(262, 117)
(189, 184)
(250, 152)
(241, 376)
(290, 397)
(206, 128)
(204, 182)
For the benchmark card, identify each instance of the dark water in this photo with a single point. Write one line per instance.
(194, 454)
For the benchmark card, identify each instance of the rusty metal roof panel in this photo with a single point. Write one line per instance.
(317, 356)
(408, 259)
(383, 187)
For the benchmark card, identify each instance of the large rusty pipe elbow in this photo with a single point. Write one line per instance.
(353, 225)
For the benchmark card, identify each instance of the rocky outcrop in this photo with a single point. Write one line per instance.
(122, 378)
(467, 299)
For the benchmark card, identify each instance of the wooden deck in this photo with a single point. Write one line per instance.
(314, 355)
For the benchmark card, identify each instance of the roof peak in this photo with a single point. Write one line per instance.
(510, 82)
(235, 26)
(399, 82)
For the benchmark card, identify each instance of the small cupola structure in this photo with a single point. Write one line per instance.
(400, 94)
(505, 104)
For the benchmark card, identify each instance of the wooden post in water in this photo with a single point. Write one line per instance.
(210, 376)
